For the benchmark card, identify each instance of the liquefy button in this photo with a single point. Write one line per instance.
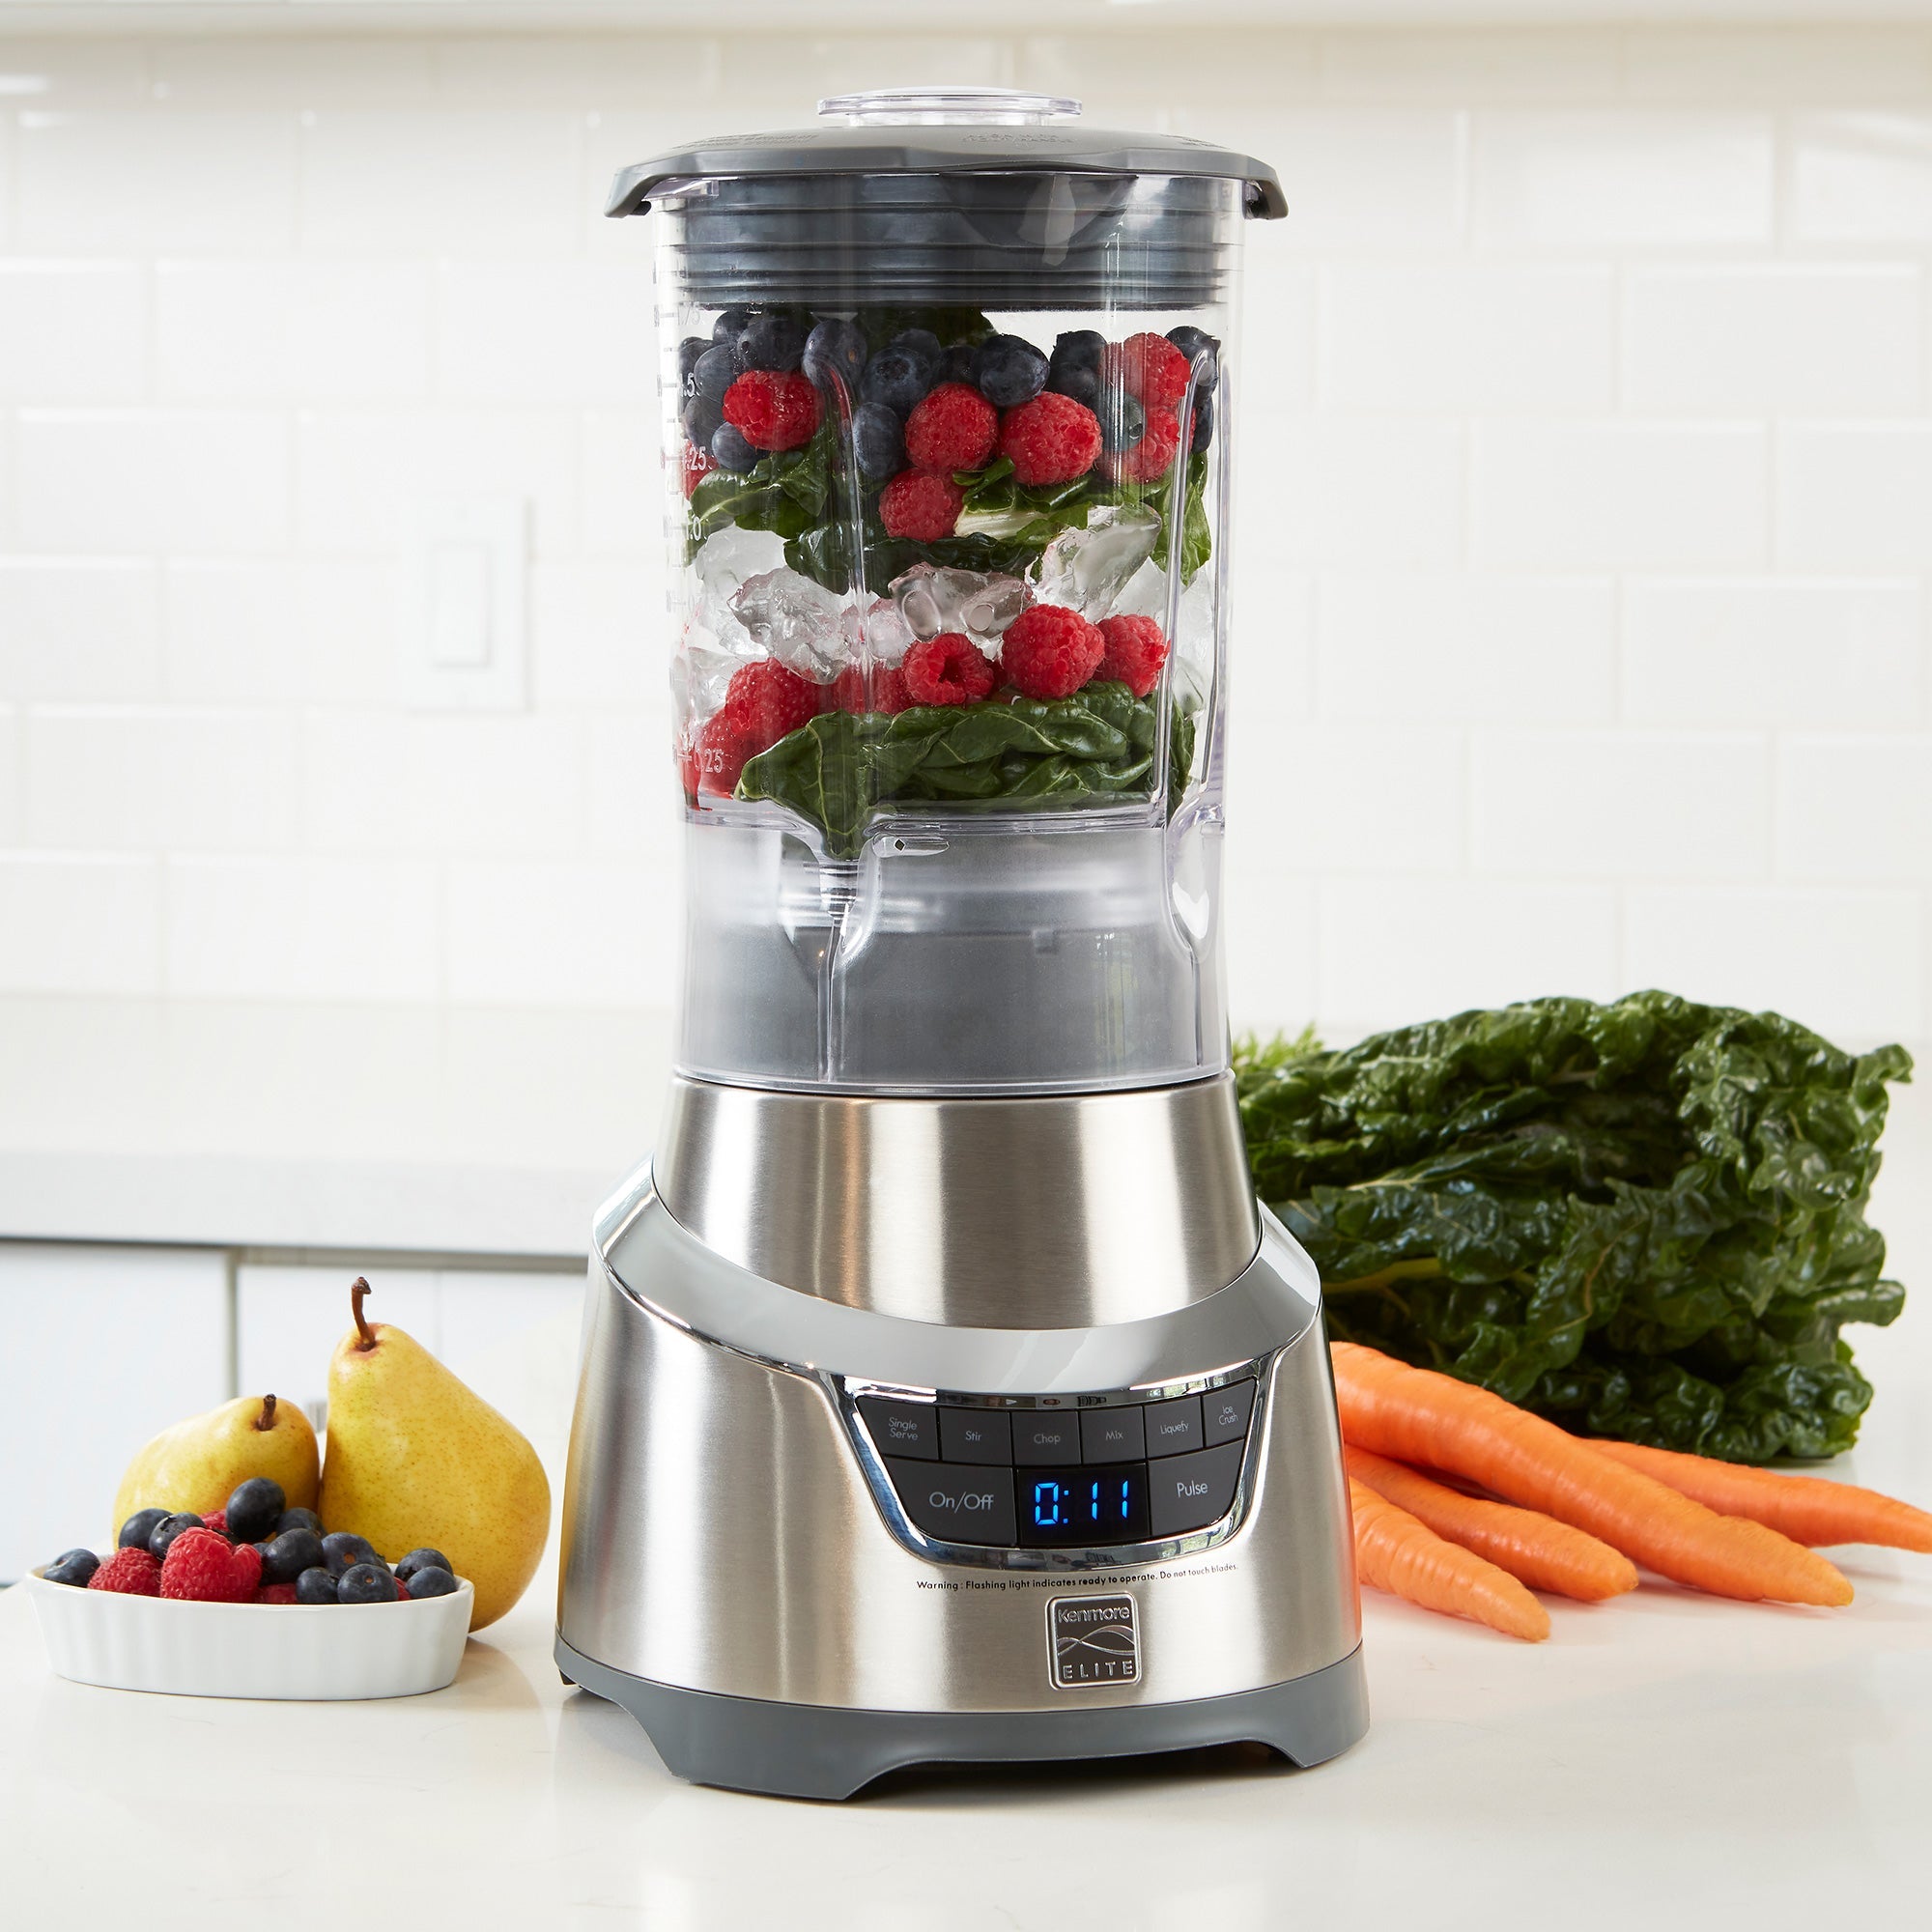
(956, 1505)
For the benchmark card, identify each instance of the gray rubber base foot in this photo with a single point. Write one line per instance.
(811, 1751)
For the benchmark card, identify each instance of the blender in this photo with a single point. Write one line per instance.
(946, 1394)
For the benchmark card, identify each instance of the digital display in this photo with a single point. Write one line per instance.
(1067, 1508)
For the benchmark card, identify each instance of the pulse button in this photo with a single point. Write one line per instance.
(956, 1505)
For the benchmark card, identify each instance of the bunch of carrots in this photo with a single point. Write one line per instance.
(1577, 1517)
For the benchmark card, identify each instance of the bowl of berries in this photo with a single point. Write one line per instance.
(250, 1602)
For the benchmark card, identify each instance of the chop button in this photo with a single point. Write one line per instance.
(956, 1505)
(1191, 1491)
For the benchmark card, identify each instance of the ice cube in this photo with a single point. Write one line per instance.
(888, 638)
(728, 556)
(799, 622)
(713, 647)
(979, 604)
(1085, 570)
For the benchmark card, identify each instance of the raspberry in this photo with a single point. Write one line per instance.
(401, 1590)
(954, 428)
(1050, 439)
(128, 1572)
(766, 701)
(217, 1520)
(276, 1593)
(1136, 650)
(695, 465)
(1148, 460)
(1049, 651)
(920, 505)
(204, 1568)
(772, 409)
(1150, 369)
(883, 690)
(714, 762)
(949, 669)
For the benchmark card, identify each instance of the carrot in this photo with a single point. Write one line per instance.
(1415, 1415)
(1396, 1553)
(1535, 1549)
(1808, 1509)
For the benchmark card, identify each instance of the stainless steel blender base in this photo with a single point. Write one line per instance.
(792, 1750)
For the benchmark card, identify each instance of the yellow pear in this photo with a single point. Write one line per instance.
(417, 1458)
(196, 1464)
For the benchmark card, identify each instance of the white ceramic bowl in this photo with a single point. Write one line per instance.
(251, 1650)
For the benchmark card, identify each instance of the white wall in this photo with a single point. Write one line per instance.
(1585, 524)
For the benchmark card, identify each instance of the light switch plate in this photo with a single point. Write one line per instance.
(464, 624)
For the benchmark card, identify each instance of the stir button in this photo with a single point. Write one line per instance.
(902, 1428)
(1174, 1427)
(1191, 1491)
(975, 1435)
(1226, 1410)
(956, 1505)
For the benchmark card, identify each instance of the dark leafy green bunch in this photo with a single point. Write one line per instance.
(835, 769)
(1645, 1220)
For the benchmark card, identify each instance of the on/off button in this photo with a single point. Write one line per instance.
(956, 1505)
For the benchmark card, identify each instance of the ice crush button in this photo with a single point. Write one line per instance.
(956, 1505)
(975, 1435)
(1191, 1491)
(1050, 1437)
(1174, 1427)
(1226, 1410)
(902, 1428)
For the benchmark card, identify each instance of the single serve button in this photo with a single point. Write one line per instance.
(956, 1505)
(902, 1428)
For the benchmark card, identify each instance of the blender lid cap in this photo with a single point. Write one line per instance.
(949, 130)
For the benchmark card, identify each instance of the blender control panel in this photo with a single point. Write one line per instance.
(1063, 1478)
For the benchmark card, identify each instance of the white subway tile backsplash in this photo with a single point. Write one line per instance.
(600, 634)
(625, 497)
(72, 332)
(292, 331)
(41, 69)
(573, 70)
(1353, 492)
(79, 923)
(1477, 63)
(1855, 497)
(255, 71)
(1576, 178)
(632, 785)
(1661, 804)
(13, 774)
(152, 480)
(1731, 341)
(1847, 811)
(1776, 652)
(1849, 963)
(1555, 495)
(83, 628)
(1369, 799)
(1459, 649)
(129, 777)
(1862, 178)
(220, 182)
(576, 331)
(307, 928)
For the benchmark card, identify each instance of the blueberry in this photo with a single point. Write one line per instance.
(730, 451)
(365, 1584)
(923, 343)
(1078, 381)
(288, 1554)
(701, 420)
(341, 1551)
(1123, 420)
(136, 1530)
(255, 1507)
(424, 1558)
(730, 326)
(1191, 342)
(1078, 348)
(712, 374)
(429, 1582)
(774, 342)
(168, 1528)
(956, 364)
(835, 348)
(1203, 420)
(688, 352)
(74, 1566)
(1008, 370)
(896, 379)
(878, 441)
(315, 1587)
(298, 1519)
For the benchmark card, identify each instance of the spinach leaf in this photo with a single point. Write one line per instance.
(1645, 1219)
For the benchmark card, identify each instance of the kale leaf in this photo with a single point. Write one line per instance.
(1644, 1219)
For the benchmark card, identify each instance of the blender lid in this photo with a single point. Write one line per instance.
(961, 195)
(950, 132)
